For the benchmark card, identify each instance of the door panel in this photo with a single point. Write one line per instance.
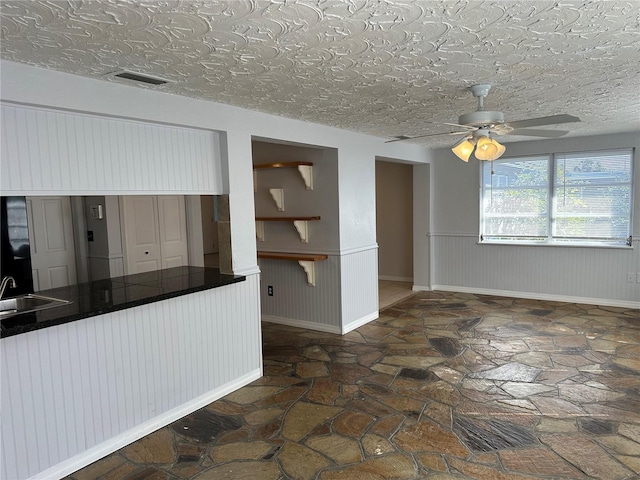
(51, 238)
(155, 232)
(173, 262)
(173, 231)
(58, 276)
(142, 239)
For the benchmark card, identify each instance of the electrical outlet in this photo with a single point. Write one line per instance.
(630, 277)
(638, 277)
(270, 290)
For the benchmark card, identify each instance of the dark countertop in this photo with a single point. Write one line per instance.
(112, 294)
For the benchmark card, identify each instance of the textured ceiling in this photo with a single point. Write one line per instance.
(380, 67)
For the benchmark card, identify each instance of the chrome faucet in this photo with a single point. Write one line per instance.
(7, 281)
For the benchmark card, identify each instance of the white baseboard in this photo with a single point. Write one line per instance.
(421, 288)
(395, 279)
(540, 296)
(292, 322)
(361, 321)
(107, 447)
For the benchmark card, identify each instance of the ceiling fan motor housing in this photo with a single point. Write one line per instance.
(481, 118)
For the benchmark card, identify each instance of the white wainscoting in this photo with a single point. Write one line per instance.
(294, 301)
(359, 287)
(48, 151)
(344, 298)
(574, 274)
(74, 393)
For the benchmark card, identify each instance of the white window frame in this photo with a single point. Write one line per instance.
(551, 239)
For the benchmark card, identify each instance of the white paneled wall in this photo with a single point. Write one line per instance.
(359, 287)
(558, 273)
(294, 301)
(48, 151)
(72, 393)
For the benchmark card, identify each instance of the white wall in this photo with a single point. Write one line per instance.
(588, 275)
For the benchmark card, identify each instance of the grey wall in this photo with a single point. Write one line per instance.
(592, 275)
(105, 254)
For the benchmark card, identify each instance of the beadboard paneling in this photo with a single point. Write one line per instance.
(90, 384)
(594, 274)
(293, 298)
(359, 287)
(49, 151)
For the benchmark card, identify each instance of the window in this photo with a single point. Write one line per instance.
(569, 198)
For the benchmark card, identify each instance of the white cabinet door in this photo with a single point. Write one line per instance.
(53, 258)
(155, 233)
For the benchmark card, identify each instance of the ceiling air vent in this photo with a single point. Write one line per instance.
(137, 77)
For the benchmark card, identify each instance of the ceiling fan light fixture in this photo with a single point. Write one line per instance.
(489, 149)
(464, 148)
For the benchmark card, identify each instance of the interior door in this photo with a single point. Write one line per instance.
(173, 231)
(155, 232)
(141, 232)
(51, 238)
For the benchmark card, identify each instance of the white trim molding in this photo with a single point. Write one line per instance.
(421, 288)
(391, 278)
(539, 296)
(292, 322)
(87, 457)
(360, 322)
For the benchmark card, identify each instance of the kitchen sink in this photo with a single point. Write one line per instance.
(28, 303)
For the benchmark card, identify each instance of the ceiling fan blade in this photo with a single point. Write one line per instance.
(536, 122)
(400, 138)
(532, 132)
(468, 127)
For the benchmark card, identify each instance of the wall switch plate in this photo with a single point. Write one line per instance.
(95, 211)
(638, 277)
(630, 277)
(270, 290)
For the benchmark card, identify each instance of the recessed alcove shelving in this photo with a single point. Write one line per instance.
(300, 223)
(304, 168)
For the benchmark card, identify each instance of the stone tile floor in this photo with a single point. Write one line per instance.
(442, 386)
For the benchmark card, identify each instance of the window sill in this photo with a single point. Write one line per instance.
(556, 244)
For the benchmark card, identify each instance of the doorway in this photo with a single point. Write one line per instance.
(394, 231)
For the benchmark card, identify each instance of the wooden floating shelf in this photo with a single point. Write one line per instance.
(282, 165)
(300, 223)
(305, 169)
(305, 260)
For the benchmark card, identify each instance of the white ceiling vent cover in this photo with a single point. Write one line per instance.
(128, 75)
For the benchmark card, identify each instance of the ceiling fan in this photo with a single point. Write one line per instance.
(480, 126)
